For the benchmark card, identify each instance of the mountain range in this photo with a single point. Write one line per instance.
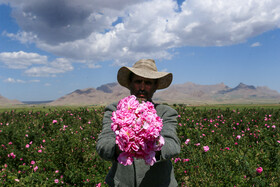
(187, 93)
(4, 101)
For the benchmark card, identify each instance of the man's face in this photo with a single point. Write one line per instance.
(143, 88)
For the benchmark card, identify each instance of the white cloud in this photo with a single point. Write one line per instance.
(58, 21)
(36, 65)
(219, 22)
(35, 81)
(23, 37)
(146, 28)
(12, 80)
(58, 66)
(139, 35)
(94, 66)
(256, 44)
(21, 60)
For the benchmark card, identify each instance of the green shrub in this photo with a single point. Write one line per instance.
(46, 148)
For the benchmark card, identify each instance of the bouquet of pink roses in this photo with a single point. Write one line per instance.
(137, 128)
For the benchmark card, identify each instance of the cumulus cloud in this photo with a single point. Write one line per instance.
(127, 30)
(21, 60)
(256, 44)
(58, 66)
(56, 21)
(34, 64)
(12, 80)
(35, 80)
(23, 37)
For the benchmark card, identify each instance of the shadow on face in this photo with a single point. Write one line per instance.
(142, 88)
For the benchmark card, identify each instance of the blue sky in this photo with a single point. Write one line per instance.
(50, 48)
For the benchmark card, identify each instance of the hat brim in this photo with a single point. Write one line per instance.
(164, 78)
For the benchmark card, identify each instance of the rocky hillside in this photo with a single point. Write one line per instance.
(5, 102)
(90, 96)
(187, 93)
(190, 93)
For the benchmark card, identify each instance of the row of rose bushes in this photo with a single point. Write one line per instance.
(218, 147)
(229, 147)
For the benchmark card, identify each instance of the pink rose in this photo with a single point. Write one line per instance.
(35, 169)
(206, 148)
(150, 158)
(187, 141)
(12, 155)
(259, 170)
(125, 159)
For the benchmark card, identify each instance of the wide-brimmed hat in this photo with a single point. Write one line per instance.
(144, 68)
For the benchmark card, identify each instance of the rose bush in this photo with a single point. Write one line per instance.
(240, 141)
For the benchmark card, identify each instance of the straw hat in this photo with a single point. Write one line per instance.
(144, 68)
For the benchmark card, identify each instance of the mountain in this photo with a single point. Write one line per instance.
(187, 93)
(241, 86)
(190, 93)
(107, 88)
(4, 101)
(90, 96)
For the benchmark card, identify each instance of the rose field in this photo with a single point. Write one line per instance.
(224, 146)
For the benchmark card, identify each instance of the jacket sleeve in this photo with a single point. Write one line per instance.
(106, 142)
(172, 143)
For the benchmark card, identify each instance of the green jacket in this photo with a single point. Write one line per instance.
(139, 174)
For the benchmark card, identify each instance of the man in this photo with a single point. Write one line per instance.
(142, 80)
